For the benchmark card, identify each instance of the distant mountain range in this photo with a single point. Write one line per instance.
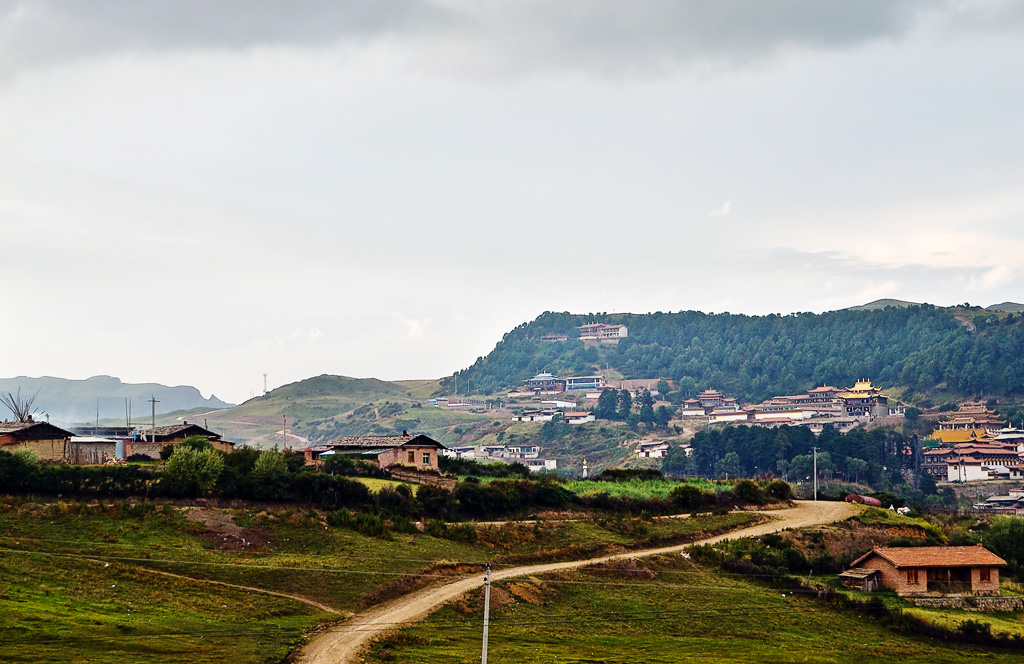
(75, 401)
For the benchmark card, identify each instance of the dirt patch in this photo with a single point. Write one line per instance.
(225, 533)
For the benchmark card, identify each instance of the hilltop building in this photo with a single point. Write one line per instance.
(573, 383)
(602, 332)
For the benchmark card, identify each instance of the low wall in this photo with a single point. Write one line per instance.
(971, 603)
(416, 477)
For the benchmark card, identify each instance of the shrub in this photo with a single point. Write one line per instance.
(746, 491)
(689, 497)
(191, 472)
(780, 490)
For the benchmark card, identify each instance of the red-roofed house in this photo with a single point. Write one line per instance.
(934, 570)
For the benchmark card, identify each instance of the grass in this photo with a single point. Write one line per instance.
(664, 610)
(640, 488)
(59, 601)
(375, 484)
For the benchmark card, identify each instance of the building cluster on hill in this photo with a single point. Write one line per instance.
(974, 445)
(527, 454)
(593, 332)
(842, 409)
(98, 445)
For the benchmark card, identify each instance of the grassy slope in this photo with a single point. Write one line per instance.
(665, 611)
(60, 602)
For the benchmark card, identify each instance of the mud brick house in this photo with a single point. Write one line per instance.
(47, 442)
(150, 441)
(929, 571)
(418, 452)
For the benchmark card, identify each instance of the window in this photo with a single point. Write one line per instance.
(426, 458)
(985, 576)
(412, 457)
(911, 576)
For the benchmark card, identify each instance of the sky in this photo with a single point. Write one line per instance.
(201, 192)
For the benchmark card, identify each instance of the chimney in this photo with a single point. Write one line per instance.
(405, 433)
(185, 422)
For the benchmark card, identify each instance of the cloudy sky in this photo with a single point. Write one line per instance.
(197, 192)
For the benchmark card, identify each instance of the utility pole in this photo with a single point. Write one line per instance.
(487, 611)
(264, 383)
(284, 432)
(815, 473)
(152, 432)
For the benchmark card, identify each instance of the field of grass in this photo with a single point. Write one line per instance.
(60, 601)
(375, 484)
(665, 610)
(641, 488)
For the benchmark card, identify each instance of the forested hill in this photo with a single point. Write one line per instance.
(924, 349)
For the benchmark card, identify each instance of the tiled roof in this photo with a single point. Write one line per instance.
(936, 556)
(382, 442)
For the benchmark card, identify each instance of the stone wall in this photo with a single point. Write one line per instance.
(412, 475)
(971, 603)
(44, 450)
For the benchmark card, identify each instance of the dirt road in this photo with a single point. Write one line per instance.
(342, 644)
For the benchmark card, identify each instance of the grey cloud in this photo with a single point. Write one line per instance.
(520, 34)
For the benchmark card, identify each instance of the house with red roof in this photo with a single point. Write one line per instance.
(928, 571)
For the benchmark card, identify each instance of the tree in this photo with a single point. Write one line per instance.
(647, 414)
(855, 469)
(625, 404)
(728, 465)
(606, 405)
(662, 416)
(191, 472)
(663, 388)
(269, 475)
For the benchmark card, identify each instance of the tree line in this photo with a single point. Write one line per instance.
(756, 357)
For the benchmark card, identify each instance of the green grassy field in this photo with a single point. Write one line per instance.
(641, 488)
(662, 611)
(80, 583)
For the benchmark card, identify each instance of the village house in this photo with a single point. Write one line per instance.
(928, 571)
(579, 417)
(545, 415)
(573, 383)
(419, 452)
(45, 441)
(652, 450)
(150, 441)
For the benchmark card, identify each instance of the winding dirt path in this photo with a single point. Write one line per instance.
(343, 643)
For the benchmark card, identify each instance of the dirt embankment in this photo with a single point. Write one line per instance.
(343, 643)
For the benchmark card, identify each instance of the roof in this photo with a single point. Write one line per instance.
(32, 430)
(354, 443)
(172, 430)
(935, 556)
(858, 573)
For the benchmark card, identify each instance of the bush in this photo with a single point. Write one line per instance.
(747, 492)
(191, 472)
(780, 490)
(626, 474)
(689, 497)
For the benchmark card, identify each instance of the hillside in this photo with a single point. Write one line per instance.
(882, 304)
(1007, 307)
(925, 352)
(326, 407)
(70, 401)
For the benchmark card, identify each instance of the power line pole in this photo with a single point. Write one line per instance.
(487, 611)
(815, 473)
(152, 431)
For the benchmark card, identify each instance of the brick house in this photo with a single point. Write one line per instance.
(420, 452)
(932, 571)
(47, 442)
(149, 441)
